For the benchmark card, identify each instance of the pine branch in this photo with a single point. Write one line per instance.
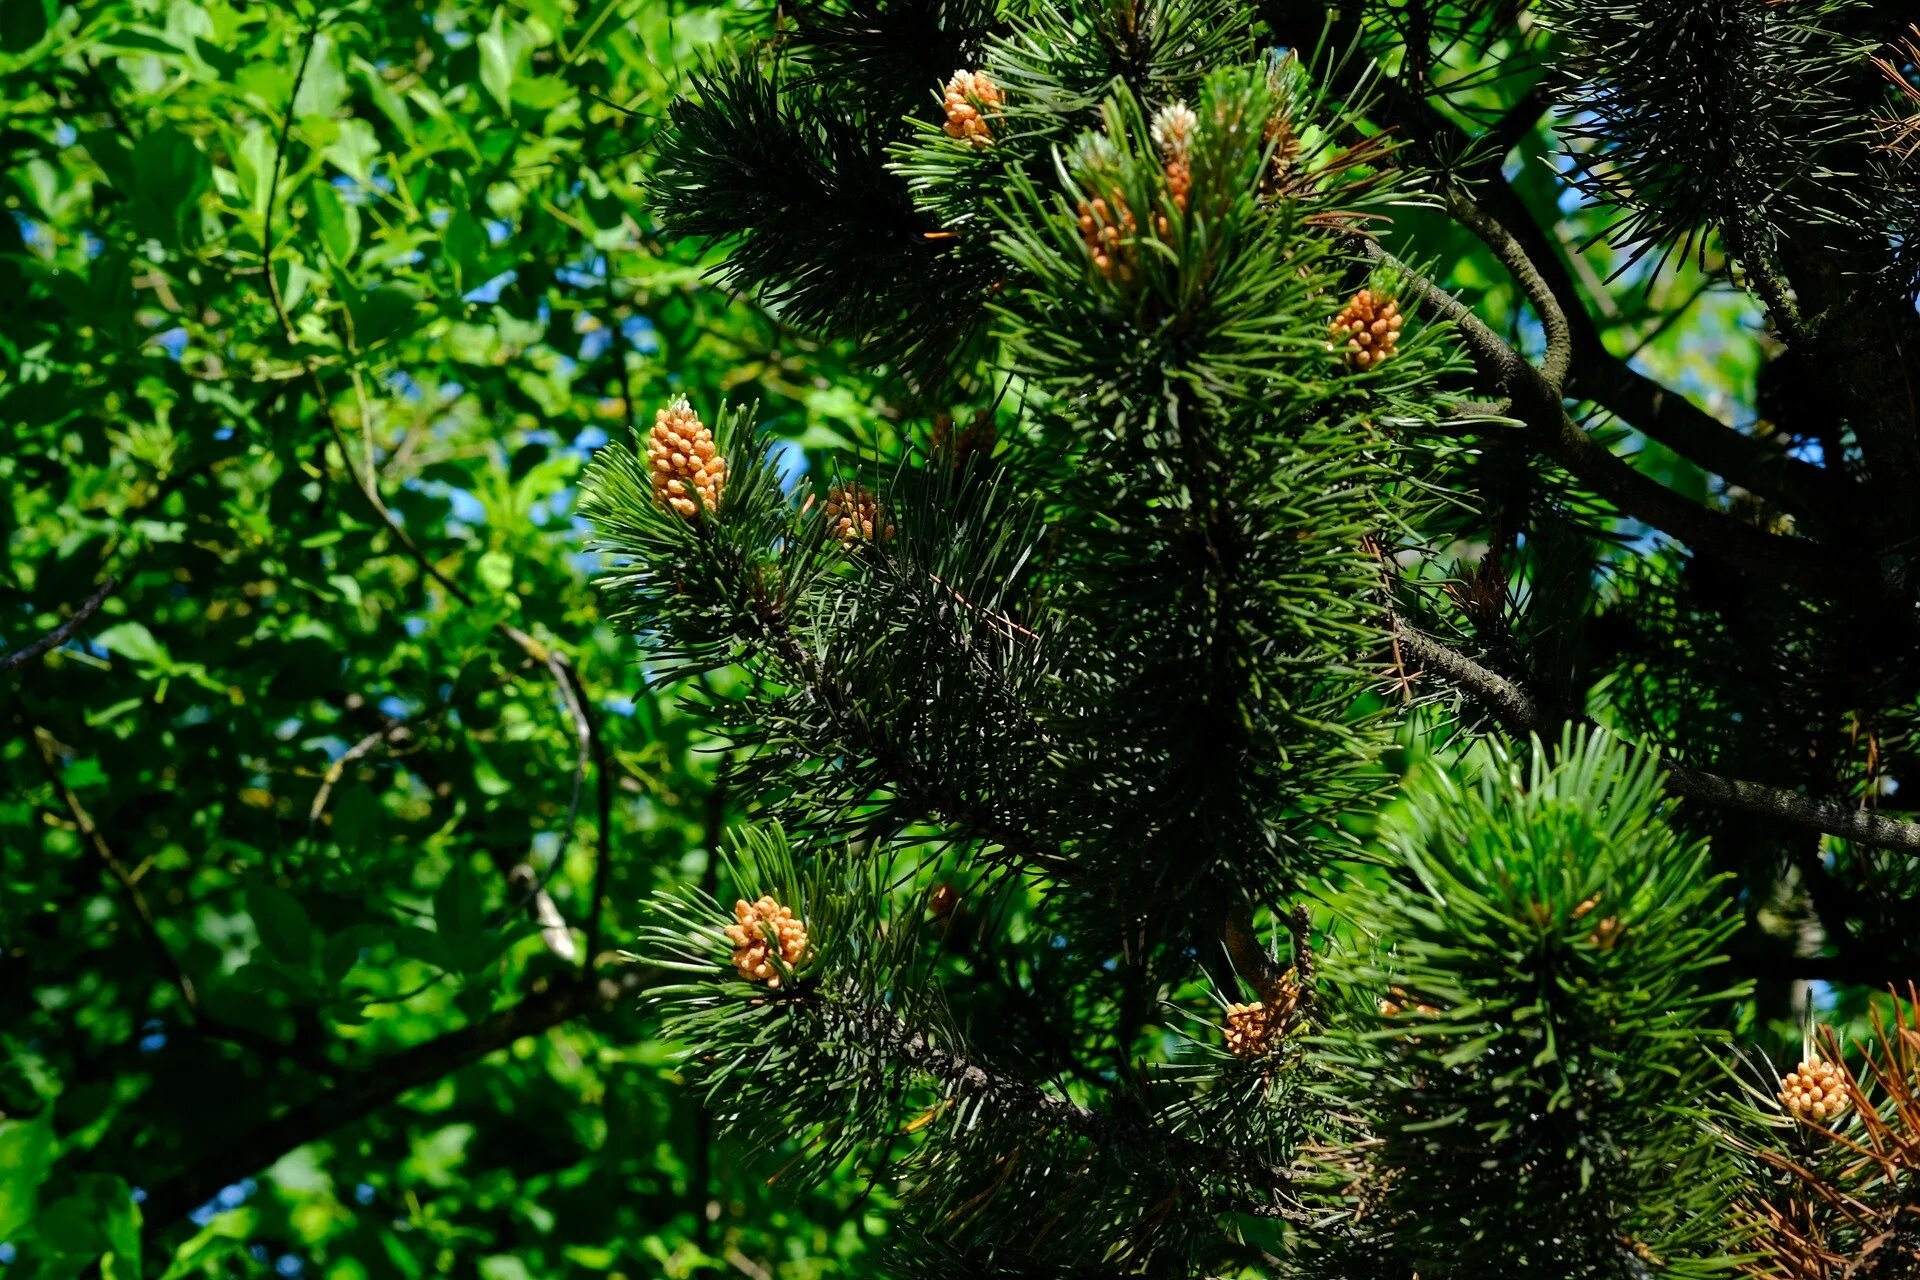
(1660, 412)
(908, 778)
(1012, 1097)
(1519, 714)
(1532, 398)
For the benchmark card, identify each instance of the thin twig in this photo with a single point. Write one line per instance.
(65, 631)
(380, 1081)
(109, 862)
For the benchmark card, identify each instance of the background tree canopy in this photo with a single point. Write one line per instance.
(313, 316)
(329, 792)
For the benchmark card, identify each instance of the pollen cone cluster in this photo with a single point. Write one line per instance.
(1103, 225)
(1817, 1092)
(970, 97)
(1249, 1029)
(854, 514)
(1174, 126)
(688, 473)
(752, 953)
(1367, 329)
(1400, 1002)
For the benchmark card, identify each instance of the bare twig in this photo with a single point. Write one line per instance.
(374, 1084)
(65, 631)
(265, 1047)
(111, 864)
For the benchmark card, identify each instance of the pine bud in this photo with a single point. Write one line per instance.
(1248, 1029)
(1174, 126)
(688, 474)
(854, 514)
(1817, 1092)
(970, 97)
(941, 900)
(1367, 328)
(975, 441)
(751, 950)
(1104, 225)
(1401, 1002)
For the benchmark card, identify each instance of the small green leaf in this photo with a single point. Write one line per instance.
(382, 313)
(132, 641)
(338, 223)
(27, 1149)
(499, 52)
(495, 570)
(285, 931)
(459, 912)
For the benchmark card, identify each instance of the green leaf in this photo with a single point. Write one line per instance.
(324, 89)
(286, 933)
(465, 245)
(27, 1150)
(355, 150)
(132, 641)
(170, 174)
(382, 313)
(500, 53)
(338, 223)
(459, 913)
(24, 24)
(495, 571)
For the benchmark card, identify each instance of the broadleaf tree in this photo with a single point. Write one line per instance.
(327, 794)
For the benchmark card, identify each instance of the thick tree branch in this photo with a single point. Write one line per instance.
(1517, 712)
(374, 1084)
(1512, 256)
(1659, 412)
(1533, 399)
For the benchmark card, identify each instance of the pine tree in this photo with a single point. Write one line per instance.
(1282, 790)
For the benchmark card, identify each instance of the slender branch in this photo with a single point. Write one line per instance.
(65, 631)
(572, 695)
(1532, 399)
(1518, 713)
(1553, 318)
(264, 1047)
(376, 1083)
(111, 864)
(1011, 1096)
(603, 818)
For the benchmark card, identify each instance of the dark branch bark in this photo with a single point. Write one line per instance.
(1595, 373)
(64, 632)
(376, 1083)
(1536, 402)
(1517, 712)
